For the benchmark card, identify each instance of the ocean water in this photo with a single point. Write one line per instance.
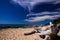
(12, 25)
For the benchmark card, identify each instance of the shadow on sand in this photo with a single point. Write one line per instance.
(57, 37)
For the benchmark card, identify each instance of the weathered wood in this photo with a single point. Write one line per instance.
(30, 33)
(47, 33)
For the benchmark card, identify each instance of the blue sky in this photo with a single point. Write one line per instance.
(28, 11)
(10, 13)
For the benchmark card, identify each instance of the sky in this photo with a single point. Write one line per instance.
(28, 11)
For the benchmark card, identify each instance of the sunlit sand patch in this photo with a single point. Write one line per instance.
(17, 34)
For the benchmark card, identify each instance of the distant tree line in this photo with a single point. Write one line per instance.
(56, 21)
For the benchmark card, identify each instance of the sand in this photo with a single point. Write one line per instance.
(18, 34)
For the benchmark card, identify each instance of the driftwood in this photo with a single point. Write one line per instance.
(49, 36)
(30, 33)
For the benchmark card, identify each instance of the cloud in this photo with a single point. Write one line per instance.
(35, 19)
(58, 9)
(42, 18)
(43, 13)
(46, 12)
(57, 1)
(31, 3)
